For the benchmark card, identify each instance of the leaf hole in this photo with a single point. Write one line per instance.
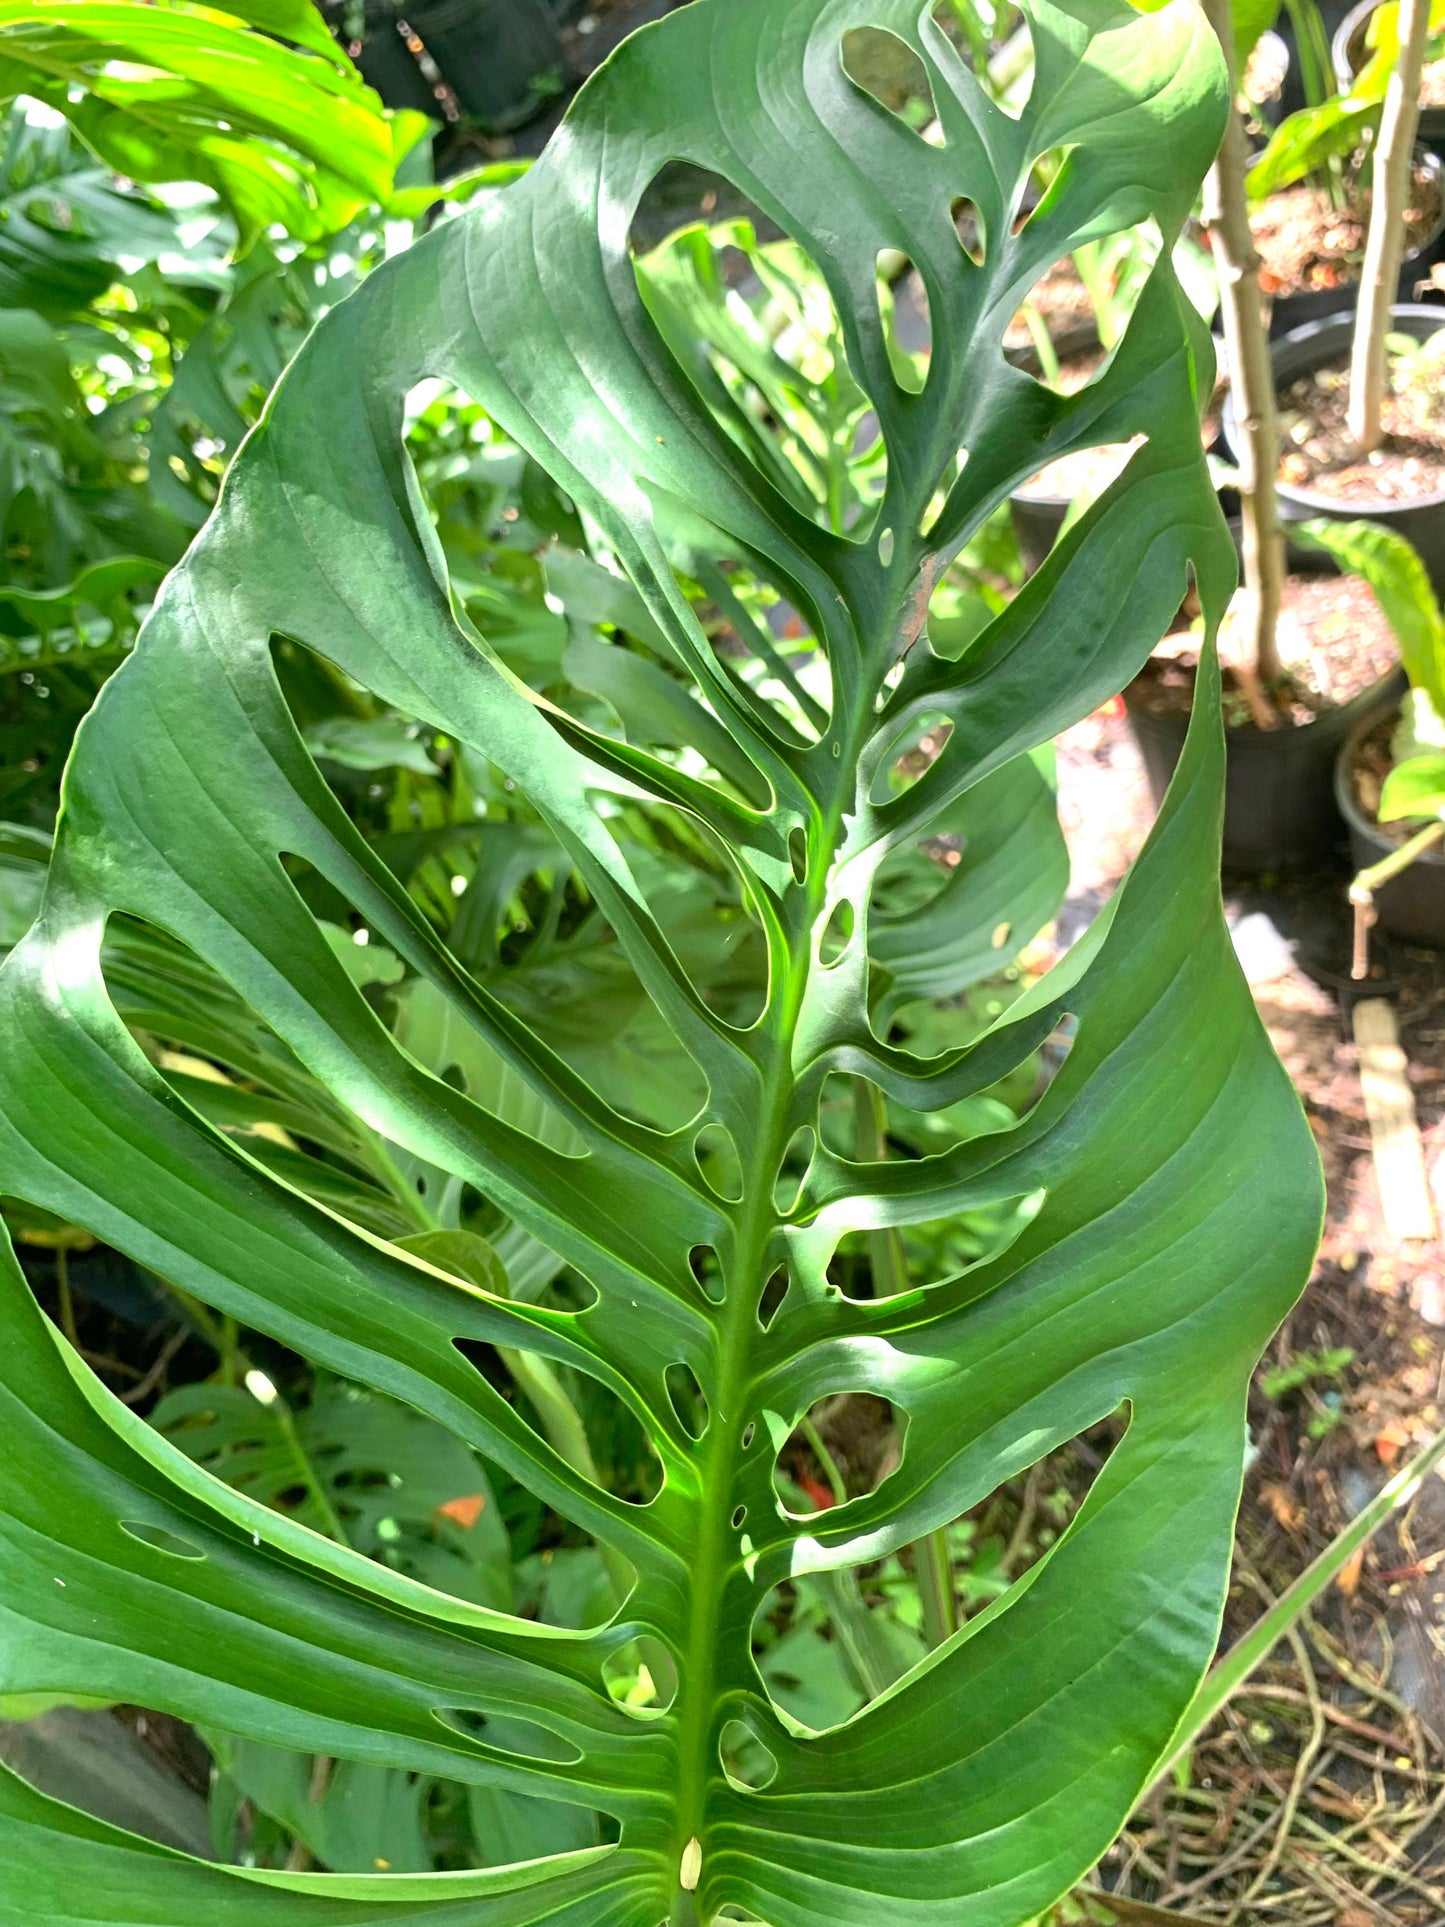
(994, 43)
(641, 1677)
(627, 1465)
(161, 1540)
(886, 546)
(828, 1642)
(687, 1397)
(752, 327)
(968, 225)
(747, 1762)
(706, 1268)
(837, 934)
(718, 1160)
(750, 1432)
(793, 1169)
(907, 320)
(847, 1443)
(798, 853)
(740, 1514)
(508, 1733)
(770, 1301)
(911, 755)
(893, 74)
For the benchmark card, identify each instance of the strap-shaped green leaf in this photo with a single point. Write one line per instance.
(1178, 1185)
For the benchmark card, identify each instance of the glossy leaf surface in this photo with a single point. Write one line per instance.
(1176, 1189)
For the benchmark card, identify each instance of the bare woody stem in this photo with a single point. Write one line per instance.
(1226, 214)
(1385, 247)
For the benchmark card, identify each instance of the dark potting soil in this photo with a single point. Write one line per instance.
(1410, 465)
(1333, 641)
(1305, 245)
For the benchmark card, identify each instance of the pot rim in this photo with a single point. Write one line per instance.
(1345, 70)
(1369, 701)
(1350, 810)
(1331, 505)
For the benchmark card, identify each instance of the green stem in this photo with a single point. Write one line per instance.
(67, 1297)
(310, 1478)
(932, 1563)
(825, 1459)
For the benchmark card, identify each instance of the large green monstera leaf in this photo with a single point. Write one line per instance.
(1173, 1190)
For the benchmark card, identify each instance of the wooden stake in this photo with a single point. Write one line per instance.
(1394, 1128)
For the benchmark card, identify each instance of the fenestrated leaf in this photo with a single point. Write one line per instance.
(1175, 1185)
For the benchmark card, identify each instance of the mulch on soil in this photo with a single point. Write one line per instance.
(1320, 454)
(1334, 644)
(1306, 245)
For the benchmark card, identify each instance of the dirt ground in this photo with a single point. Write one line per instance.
(1319, 1795)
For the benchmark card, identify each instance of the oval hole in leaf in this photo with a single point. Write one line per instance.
(161, 1540)
(689, 1400)
(641, 1676)
(740, 1514)
(837, 934)
(793, 1169)
(890, 71)
(822, 1679)
(706, 1267)
(847, 1443)
(886, 546)
(509, 1734)
(718, 1160)
(911, 756)
(798, 852)
(627, 1465)
(770, 1301)
(968, 226)
(907, 321)
(747, 1762)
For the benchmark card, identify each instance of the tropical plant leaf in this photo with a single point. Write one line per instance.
(1175, 1189)
(189, 93)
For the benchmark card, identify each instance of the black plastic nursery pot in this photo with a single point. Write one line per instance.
(1350, 53)
(1279, 784)
(1421, 522)
(1292, 311)
(1410, 906)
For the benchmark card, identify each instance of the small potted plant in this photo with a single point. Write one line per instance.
(1390, 778)
(1307, 651)
(1364, 406)
(1357, 42)
(1311, 189)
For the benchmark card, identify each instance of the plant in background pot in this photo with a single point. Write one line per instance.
(1364, 413)
(1308, 649)
(1312, 188)
(1357, 43)
(1390, 777)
